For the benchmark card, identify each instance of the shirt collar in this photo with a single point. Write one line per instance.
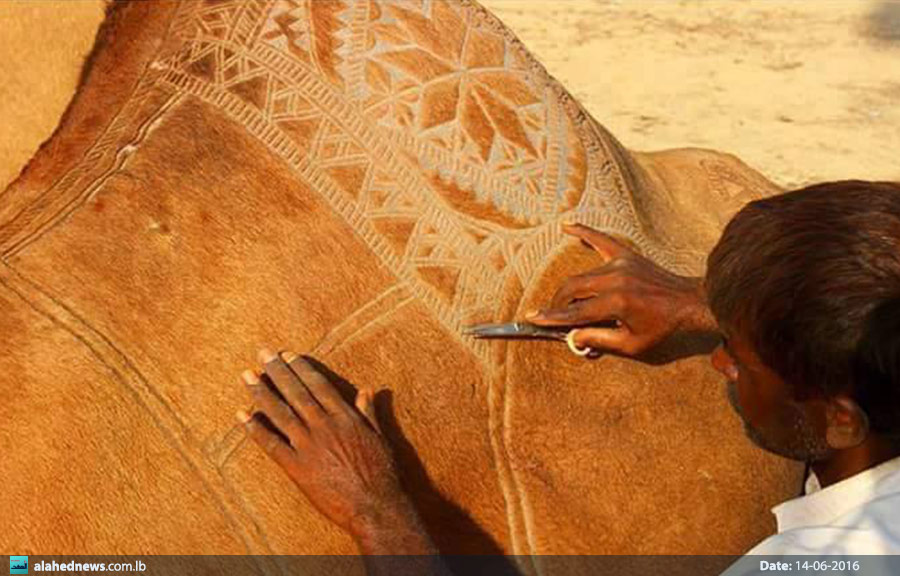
(821, 506)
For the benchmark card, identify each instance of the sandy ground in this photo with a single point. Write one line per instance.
(804, 90)
(42, 46)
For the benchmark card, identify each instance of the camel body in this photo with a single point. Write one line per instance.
(356, 180)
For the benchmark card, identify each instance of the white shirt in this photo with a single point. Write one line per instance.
(856, 516)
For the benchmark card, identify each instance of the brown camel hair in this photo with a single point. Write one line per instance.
(355, 180)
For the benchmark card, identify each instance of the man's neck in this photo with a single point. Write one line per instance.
(846, 463)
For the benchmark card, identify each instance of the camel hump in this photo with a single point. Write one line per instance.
(685, 196)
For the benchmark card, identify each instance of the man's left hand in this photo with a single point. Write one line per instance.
(333, 452)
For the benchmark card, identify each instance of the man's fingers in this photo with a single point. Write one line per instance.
(271, 443)
(318, 385)
(574, 288)
(603, 309)
(603, 244)
(271, 405)
(620, 340)
(583, 287)
(289, 385)
(365, 403)
(571, 315)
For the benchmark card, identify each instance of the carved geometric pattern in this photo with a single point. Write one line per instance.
(428, 73)
(481, 153)
(313, 31)
(449, 87)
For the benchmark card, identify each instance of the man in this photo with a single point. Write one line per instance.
(805, 290)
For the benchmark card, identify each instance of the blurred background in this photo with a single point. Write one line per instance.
(803, 90)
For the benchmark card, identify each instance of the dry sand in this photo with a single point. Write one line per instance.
(43, 45)
(803, 90)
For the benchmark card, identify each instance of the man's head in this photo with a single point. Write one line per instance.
(806, 288)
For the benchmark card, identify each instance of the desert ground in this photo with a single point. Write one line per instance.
(803, 90)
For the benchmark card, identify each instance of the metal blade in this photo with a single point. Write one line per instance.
(513, 330)
(493, 330)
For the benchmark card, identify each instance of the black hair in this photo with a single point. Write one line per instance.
(812, 278)
(876, 367)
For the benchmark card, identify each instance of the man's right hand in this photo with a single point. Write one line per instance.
(644, 302)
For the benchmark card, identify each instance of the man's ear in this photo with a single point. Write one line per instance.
(847, 423)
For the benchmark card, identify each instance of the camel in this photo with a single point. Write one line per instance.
(356, 180)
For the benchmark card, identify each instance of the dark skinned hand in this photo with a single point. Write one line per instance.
(334, 452)
(638, 303)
